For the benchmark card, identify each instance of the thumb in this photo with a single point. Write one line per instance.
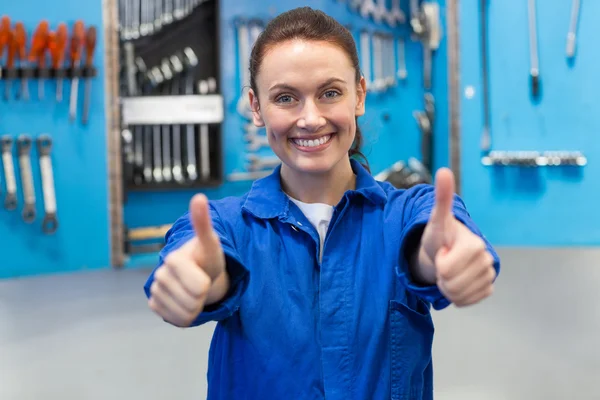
(444, 196)
(200, 218)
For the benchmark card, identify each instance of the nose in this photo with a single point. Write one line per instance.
(311, 118)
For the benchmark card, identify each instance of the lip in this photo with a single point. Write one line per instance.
(314, 148)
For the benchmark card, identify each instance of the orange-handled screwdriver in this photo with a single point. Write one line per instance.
(21, 42)
(57, 43)
(77, 42)
(37, 52)
(4, 33)
(90, 46)
(10, 61)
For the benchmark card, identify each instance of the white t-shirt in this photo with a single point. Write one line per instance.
(319, 215)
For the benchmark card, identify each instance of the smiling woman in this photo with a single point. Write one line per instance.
(321, 277)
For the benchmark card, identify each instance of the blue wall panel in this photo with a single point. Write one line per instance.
(386, 141)
(79, 158)
(543, 206)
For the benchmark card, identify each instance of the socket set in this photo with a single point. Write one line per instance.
(535, 159)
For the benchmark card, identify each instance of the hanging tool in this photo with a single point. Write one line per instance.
(90, 46)
(486, 138)
(37, 53)
(572, 35)
(10, 62)
(77, 42)
(203, 88)
(534, 72)
(24, 151)
(57, 44)
(10, 201)
(190, 62)
(5, 38)
(21, 43)
(167, 74)
(177, 67)
(402, 72)
(50, 222)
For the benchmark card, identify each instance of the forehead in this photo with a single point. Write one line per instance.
(296, 61)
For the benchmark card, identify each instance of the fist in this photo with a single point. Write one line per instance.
(182, 284)
(464, 268)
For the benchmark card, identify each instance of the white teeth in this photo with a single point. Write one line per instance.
(312, 143)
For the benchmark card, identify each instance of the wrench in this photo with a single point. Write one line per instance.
(534, 72)
(50, 222)
(402, 73)
(486, 138)
(258, 163)
(381, 12)
(157, 79)
(365, 51)
(256, 141)
(396, 15)
(243, 105)
(166, 131)
(572, 35)
(24, 151)
(379, 82)
(368, 7)
(390, 75)
(177, 67)
(10, 202)
(190, 61)
(204, 143)
(158, 12)
(167, 16)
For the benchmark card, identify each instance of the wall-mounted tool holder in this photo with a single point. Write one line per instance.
(172, 109)
(535, 159)
(145, 240)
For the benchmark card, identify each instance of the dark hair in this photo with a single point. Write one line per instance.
(308, 24)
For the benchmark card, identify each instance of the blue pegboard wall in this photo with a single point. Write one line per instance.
(532, 206)
(387, 141)
(78, 155)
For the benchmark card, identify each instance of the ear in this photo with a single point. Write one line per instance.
(361, 96)
(256, 117)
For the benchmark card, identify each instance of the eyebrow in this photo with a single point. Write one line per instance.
(328, 82)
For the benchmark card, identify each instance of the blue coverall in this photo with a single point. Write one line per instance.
(353, 326)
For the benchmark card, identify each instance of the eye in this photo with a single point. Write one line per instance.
(284, 99)
(331, 94)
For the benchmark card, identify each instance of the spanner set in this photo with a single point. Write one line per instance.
(17, 164)
(170, 75)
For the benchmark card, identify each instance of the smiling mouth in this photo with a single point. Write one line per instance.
(311, 143)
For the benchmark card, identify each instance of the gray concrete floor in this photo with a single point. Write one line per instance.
(90, 336)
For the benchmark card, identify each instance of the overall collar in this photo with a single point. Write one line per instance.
(266, 198)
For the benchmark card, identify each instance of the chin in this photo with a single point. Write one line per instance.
(313, 166)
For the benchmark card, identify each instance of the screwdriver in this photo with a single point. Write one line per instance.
(4, 33)
(21, 42)
(57, 43)
(77, 41)
(39, 45)
(10, 61)
(90, 45)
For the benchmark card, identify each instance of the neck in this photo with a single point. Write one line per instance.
(327, 188)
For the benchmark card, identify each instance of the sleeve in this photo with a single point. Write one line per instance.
(182, 231)
(419, 203)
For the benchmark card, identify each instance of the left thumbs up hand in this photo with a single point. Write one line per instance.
(463, 267)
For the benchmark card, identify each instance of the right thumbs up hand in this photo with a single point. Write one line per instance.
(193, 275)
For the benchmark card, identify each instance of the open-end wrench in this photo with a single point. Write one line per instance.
(157, 174)
(390, 76)
(178, 12)
(365, 51)
(177, 67)
(144, 16)
(256, 163)
(24, 152)
(190, 62)
(50, 222)
(486, 137)
(166, 129)
(158, 13)
(534, 72)
(368, 7)
(255, 140)
(167, 15)
(402, 72)
(572, 35)
(204, 139)
(243, 37)
(396, 15)
(135, 18)
(379, 81)
(10, 201)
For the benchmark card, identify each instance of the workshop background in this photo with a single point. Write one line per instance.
(103, 148)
